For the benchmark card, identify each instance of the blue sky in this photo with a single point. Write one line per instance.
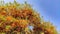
(49, 9)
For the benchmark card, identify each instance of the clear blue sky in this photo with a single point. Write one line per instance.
(49, 9)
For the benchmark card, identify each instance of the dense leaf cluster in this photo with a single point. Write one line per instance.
(16, 18)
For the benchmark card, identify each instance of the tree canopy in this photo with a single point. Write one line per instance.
(16, 18)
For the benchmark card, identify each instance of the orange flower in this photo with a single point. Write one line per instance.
(9, 18)
(3, 12)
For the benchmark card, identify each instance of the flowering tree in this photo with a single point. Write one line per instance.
(16, 18)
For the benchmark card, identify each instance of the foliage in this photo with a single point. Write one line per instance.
(16, 18)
